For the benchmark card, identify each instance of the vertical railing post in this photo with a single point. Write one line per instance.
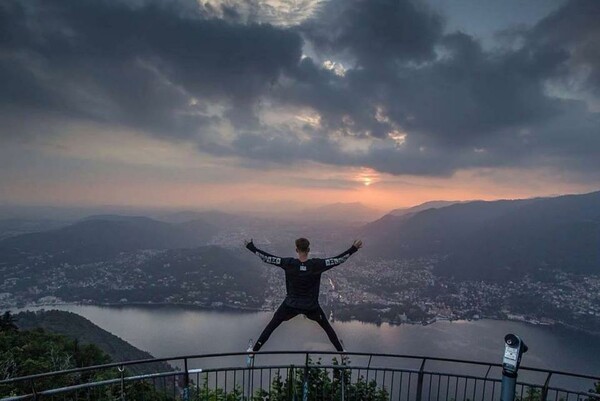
(251, 380)
(485, 380)
(420, 380)
(305, 380)
(121, 370)
(343, 376)
(545, 388)
(291, 383)
(186, 381)
(33, 390)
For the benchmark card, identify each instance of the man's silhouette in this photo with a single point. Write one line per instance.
(302, 282)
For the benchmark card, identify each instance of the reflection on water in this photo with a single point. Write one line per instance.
(171, 330)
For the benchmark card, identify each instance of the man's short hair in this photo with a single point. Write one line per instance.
(302, 245)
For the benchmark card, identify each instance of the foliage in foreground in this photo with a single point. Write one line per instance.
(29, 352)
(322, 385)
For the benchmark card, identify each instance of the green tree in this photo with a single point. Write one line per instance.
(531, 394)
(29, 352)
(595, 390)
(204, 392)
(321, 385)
(8, 322)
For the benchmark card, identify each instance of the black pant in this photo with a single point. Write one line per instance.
(285, 312)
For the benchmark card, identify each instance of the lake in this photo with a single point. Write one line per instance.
(166, 331)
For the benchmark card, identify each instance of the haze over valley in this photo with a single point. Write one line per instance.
(530, 259)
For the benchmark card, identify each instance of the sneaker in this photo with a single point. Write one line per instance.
(250, 356)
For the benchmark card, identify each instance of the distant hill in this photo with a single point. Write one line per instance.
(351, 212)
(336, 212)
(16, 226)
(81, 329)
(499, 239)
(114, 217)
(423, 206)
(101, 237)
(432, 231)
(219, 220)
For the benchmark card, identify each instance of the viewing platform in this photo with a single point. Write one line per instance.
(302, 376)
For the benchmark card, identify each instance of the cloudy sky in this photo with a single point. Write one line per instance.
(243, 103)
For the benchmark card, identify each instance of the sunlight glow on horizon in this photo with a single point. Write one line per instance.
(130, 170)
(368, 176)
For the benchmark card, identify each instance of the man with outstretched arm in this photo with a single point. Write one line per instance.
(302, 282)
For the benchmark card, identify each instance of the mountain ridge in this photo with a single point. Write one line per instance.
(84, 331)
(476, 239)
(435, 204)
(97, 239)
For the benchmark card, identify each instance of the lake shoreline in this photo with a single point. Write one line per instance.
(169, 329)
(244, 309)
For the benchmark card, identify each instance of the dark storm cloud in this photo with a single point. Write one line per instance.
(464, 93)
(375, 32)
(575, 29)
(135, 65)
(466, 106)
(469, 94)
(160, 67)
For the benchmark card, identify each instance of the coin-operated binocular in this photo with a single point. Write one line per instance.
(514, 348)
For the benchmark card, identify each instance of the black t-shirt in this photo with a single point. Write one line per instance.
(302, 279)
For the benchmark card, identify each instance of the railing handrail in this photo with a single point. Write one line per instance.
(295, 352)
(56, 391)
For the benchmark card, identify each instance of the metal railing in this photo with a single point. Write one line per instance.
(299, 375)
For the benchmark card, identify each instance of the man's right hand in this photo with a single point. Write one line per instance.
(250, 245)
(357, 244)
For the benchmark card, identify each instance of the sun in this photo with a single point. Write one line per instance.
(367, 176)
